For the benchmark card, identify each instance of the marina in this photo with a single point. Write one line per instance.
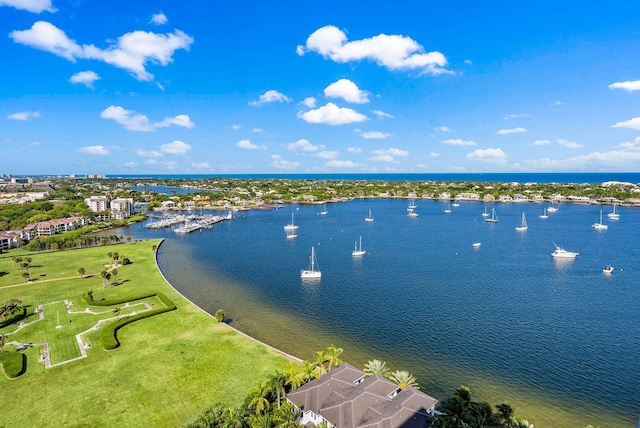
(190, 223)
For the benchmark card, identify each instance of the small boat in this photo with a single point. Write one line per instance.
(456, 202)
(412, 213)
(614, 215)
(561, 253)
(357, 250)
(291, 226)
(324, 210)
(493, 218)
(544, 214)
(523, 226)
(448, 209)
(552, 209)
(600, 226)
(369, 218)
(607, 269)
(476, 245)
(412, 205)
(292, 235)
(311, 273)
(485, 213)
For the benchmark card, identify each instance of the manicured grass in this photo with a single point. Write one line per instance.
(168, 369)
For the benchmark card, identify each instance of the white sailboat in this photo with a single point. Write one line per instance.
(456, 202)
(369, 218)
(614, 215)
(291, 226)
(357, 250)
(485, 213)
(552, 209)
(311, 273)
(544, 214)
(412, 213)
(412, 205)
(292, 235)
(448, 209)
(324, 210)
(493, 218)
(600, 226)
(523, 226)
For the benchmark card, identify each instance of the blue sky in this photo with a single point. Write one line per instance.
(208, 87)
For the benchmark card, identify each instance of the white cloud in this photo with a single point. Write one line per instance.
(343, 164)
(131, 52)
(303, 145)
(615, 160)
(496, 156)
(331, 114)
(632, 145)
(354, 150)
(382, 115)
(388, 155)
(327, 154)
(468, 61)
(510, 131)
(541, 143)
(151, 162)
(394, 52)
(159, 18)
(176, 148)
(459, 142)
(375, 135)
(85, 77)
(515, 116)
(200, 165)
(629, 85)
(131, 164)
(24, 115)
(442, 129)
(257, 130)
(139, 122)
(235, 127)
(149, 154)
(568, 144)
(271, 96)
(248, 145)
(434, 154)
(35, 6)
(279, 163)
(309, 102)
(93, 150)
(348, 91)
(631, 123)
(168, 164)
(558, 103)
(34, 143)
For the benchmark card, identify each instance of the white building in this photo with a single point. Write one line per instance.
(121, 208)
(97, 203)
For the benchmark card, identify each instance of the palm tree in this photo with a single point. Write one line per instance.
(404, 379)
(110, 256)
(506, 412)
(114, 273)
(25, 275)
(309, 371)
(90, 294)
(331, 354)
(258, 399)
(376, 367)
(117, 311)
(103, 274)
(294, 377)
(482, 415)
(115, 257)
(81, 272)
(319, 362)
(107, 277)
(277, 384)
(261, 421)
(1, 343)
(287, 416)
(464, 393)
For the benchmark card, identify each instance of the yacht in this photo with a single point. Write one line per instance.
(493, 218)
(614, 215)
(561, 253)
(291, 226)
(369, 218)
(607, 269)
(357, 250)
(544, 214)
(523, 225)
(312, 272)
(552, 209)
(600, 226)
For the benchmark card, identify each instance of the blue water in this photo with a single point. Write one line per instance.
(504, 318)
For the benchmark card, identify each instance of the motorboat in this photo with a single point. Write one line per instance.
(561, 253)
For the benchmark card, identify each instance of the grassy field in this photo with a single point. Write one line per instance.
(168, 369)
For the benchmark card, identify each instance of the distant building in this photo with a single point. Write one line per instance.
(25, 180)
(53, 227)
(121, 208)
(97, 204)
(11, 239)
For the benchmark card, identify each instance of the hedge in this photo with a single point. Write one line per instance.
(109, 335)
(13, 363)
(121, 300)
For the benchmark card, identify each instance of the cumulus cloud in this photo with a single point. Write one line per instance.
(170, 165)
(33, 143)
(459, 142)
(159, 18)
(200, 165)
(375, 135)
(24, 115)
(93, 150)
(615, 160)
(327, 154)
(568, 144)
(235, 127)
(176, 148)
(271, 96)
(541, 143)
(257, 130)
(131, 164)
(343, 164)
(303, 145)
(629, 85)
(558, 103)
(248, 145)
(280, 163)
(496, 156)
(149, 153)
(510, 131)
(394, 52)
(382, 115)
(309, 102)
(331, 114)
(139, 122)
(442, 129)
(348, 91)
(85, 78)
(151, 162)
(515, 116)
(434, 154)
(388, 155)
(131, 51)
(631, 145)
(354, 150)
(633, 123)
(35, 6)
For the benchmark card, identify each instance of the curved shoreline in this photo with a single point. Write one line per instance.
(282, 353)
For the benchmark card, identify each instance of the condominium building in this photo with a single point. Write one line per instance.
(97, 203)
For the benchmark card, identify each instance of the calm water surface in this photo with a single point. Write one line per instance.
(558, 340)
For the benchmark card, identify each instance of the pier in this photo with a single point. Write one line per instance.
(190, 223)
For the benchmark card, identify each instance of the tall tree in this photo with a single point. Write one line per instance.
(404, 379)
(259, 399)
(81, 272)
(277, 384)
(331, 354)
(376, 367)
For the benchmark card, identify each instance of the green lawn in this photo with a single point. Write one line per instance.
(168, 369)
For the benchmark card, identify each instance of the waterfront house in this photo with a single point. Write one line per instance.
(346, 398)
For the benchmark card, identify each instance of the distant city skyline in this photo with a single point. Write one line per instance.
(276, 88)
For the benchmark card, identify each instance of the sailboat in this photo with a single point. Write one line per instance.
(600, 226)
(523, 226)
(291, 226)
(456, 202)
(412, 205)
(544, 214)
(485, 213)
(614, 215)
(324, 210)
(311, 273)
(292, 234)
(493, 218)
(448, 210)
(412, 213)
(369, 218)
(357, 250)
